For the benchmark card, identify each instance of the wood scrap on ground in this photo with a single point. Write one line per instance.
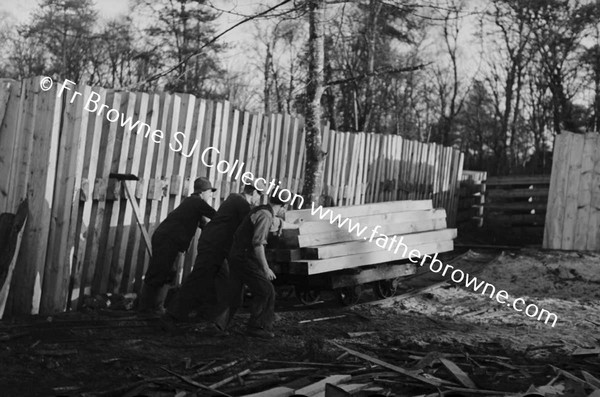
(314, 320)
(458, 373)
(432, 374)
(386, 365)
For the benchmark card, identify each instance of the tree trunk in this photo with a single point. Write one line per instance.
(374, 9)
(596, 125)
(313, 174)
(515, 121)
(503, 165)
(267, 74)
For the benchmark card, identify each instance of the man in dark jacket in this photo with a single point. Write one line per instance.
(248, 265)
(205, 288)
(172, 236)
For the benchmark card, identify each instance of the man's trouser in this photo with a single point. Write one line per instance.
(262, 309)
(161, 269)
(161, 272)
(204, 289)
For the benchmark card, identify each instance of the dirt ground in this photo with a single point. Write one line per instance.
(99, 354)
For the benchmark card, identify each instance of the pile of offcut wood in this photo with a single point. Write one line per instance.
(314, 245)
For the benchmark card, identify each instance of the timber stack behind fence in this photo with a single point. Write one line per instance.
(515, 207)
(81, 237)
(509, 209)
(573, 216)
(471, 199)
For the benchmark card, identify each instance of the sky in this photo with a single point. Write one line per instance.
(19, 12)
(21, 9)
(241, 40)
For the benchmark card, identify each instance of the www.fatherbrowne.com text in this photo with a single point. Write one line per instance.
(395, 244)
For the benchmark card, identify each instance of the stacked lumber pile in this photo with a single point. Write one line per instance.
(515, 208)
(312, 245)
(471, 199)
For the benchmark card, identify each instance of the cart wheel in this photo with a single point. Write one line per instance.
(384, 288)
(285, 292)
(349, 296)
(308, 296)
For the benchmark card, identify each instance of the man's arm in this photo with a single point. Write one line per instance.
(207, 212)
(262, 223)
(259, 251)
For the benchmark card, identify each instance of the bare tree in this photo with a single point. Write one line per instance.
(65, 30)
(313, 174)
(559, 27)
(507, 63)
(451, 94)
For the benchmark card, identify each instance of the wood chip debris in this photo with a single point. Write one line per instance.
(314, 320)
(361, 374)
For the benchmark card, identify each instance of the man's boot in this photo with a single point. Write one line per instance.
(152, 299)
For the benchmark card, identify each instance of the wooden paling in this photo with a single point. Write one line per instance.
(573, 215)
(42, 122)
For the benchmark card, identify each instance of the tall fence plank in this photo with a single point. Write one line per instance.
(572, 215)
(45, 132)
(10, 102)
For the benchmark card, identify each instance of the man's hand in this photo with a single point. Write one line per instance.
(259, 251)
(276, 226)
(270, 275)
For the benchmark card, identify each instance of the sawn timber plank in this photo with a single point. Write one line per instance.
(325, 225)
(300, 216)
(310, 267)
(359, 247)
(343, 235)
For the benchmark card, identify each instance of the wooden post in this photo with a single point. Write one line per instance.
(133, 277)
(10, 103)
(65, 212)
(29, 273)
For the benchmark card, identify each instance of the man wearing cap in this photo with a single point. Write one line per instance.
(172, 236)
(205, 289)
(248, 265)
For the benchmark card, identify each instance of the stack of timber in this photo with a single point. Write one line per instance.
(315, 246)
(471, 199)
(515, 207)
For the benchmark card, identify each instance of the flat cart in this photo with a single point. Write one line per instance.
(315, 253)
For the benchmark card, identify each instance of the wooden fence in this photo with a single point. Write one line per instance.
(81, 236)
(573, 215)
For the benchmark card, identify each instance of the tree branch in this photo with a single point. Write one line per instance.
(211, 41)
(377, 73)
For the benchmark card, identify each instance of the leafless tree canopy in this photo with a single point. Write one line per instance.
(497, 79)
